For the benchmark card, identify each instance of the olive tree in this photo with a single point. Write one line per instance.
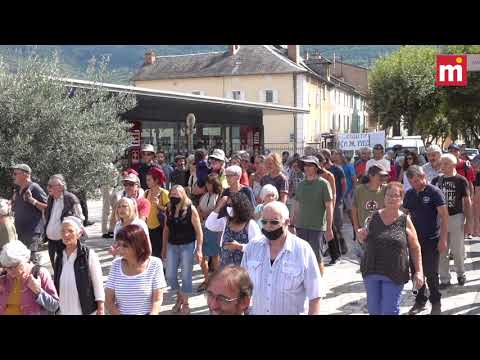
(56, 128)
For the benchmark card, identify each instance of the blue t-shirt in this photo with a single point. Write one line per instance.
(339, 176)
(423, 211)
(349, 171)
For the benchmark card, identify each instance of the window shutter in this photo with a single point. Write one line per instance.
(275, 96)
(261, 96)
(242, 95)
(229, 95)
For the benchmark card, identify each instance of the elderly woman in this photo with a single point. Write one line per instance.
(182, 228)
(268, 194)
(136, 281)
(25, 289)
(7, 224)
(78, 273)
(127, 214)
(238, 227)
(385, 264)
(158, 198)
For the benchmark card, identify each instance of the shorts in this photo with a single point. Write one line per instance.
(211, 243)
(348, 200)
(316, 239)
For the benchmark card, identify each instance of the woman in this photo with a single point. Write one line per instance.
(180, 231)
(136, 281)
(411, 158)
(158, 197)
(275, 176)
(257, 176)
(268, 194)
(385, 264)
(238, 227)
(25, 289)
(7, 225)
(296, 177)
(211, 239)
(127, 214)
(78, 273)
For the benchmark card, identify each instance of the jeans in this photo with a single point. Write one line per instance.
(430, 259)
(383, 295)
(54, 246)
(180, 255)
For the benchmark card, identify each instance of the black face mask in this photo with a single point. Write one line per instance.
(174, 201)
(274, 234)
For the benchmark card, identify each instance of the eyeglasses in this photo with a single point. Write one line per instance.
(272, 222)
(219, 298)
(231, 175)
(393, 196)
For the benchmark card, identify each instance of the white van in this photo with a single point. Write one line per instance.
(410, 143)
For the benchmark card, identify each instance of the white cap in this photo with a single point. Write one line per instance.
(218, 154)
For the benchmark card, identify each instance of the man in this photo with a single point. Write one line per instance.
(378, 159)
(229, 291)
(131, 185)
(217, 162)
(432, 168)
(369, 197)
(29, 201)
(337, 246)
(166, 167)
(313, 209)
(233, 174)
(148, 161)
(283, 268)
(360, 164)
(180, 175)
(60, 204)
(457, 195)
(426, 205)
(340, 160)
(464, 169)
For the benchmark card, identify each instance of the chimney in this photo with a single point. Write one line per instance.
(294, 53)
(233, 49)
(150, 57)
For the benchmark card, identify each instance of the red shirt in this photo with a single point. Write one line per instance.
(360, 168)
(469, 174)
(143, 207)
(244, 179)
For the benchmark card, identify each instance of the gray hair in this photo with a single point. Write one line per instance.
(5, 207)
(234, 169)
(434, 149)
(268, 189)
(451, 157)
(14, 253)
(415, 170)
(279, 207)
(59, 178)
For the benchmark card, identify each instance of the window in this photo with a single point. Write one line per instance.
(236, 95)
(269, 96)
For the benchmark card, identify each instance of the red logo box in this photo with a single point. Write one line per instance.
(451, 70)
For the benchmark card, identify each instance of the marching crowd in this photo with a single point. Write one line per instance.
(260, 228)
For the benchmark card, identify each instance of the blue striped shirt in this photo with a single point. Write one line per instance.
(285, 287)
(133, 294)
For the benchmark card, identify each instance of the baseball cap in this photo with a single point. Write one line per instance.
(148, 148)
(218, 154)
(132, 178)
(378, 147)
(311, 159)
(23, 167)
(453, 147)
(375, 169)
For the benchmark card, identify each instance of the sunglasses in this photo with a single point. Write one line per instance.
(272, 222)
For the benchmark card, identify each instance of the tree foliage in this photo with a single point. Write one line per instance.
(57, 129)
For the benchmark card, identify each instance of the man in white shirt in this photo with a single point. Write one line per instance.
(378, 159)
(60, 204)
(432, 168)
(283, 268)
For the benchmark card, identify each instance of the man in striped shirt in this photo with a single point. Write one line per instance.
(283, 268)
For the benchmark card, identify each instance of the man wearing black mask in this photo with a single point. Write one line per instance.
(283, 268)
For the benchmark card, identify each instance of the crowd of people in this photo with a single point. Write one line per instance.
(259, 227)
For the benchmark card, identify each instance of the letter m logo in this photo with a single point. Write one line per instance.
(451, 70)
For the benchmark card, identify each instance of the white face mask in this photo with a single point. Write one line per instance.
(230, 211)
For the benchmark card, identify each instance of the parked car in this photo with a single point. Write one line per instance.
(471, 152)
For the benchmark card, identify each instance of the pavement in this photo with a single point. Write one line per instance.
(344, 293)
